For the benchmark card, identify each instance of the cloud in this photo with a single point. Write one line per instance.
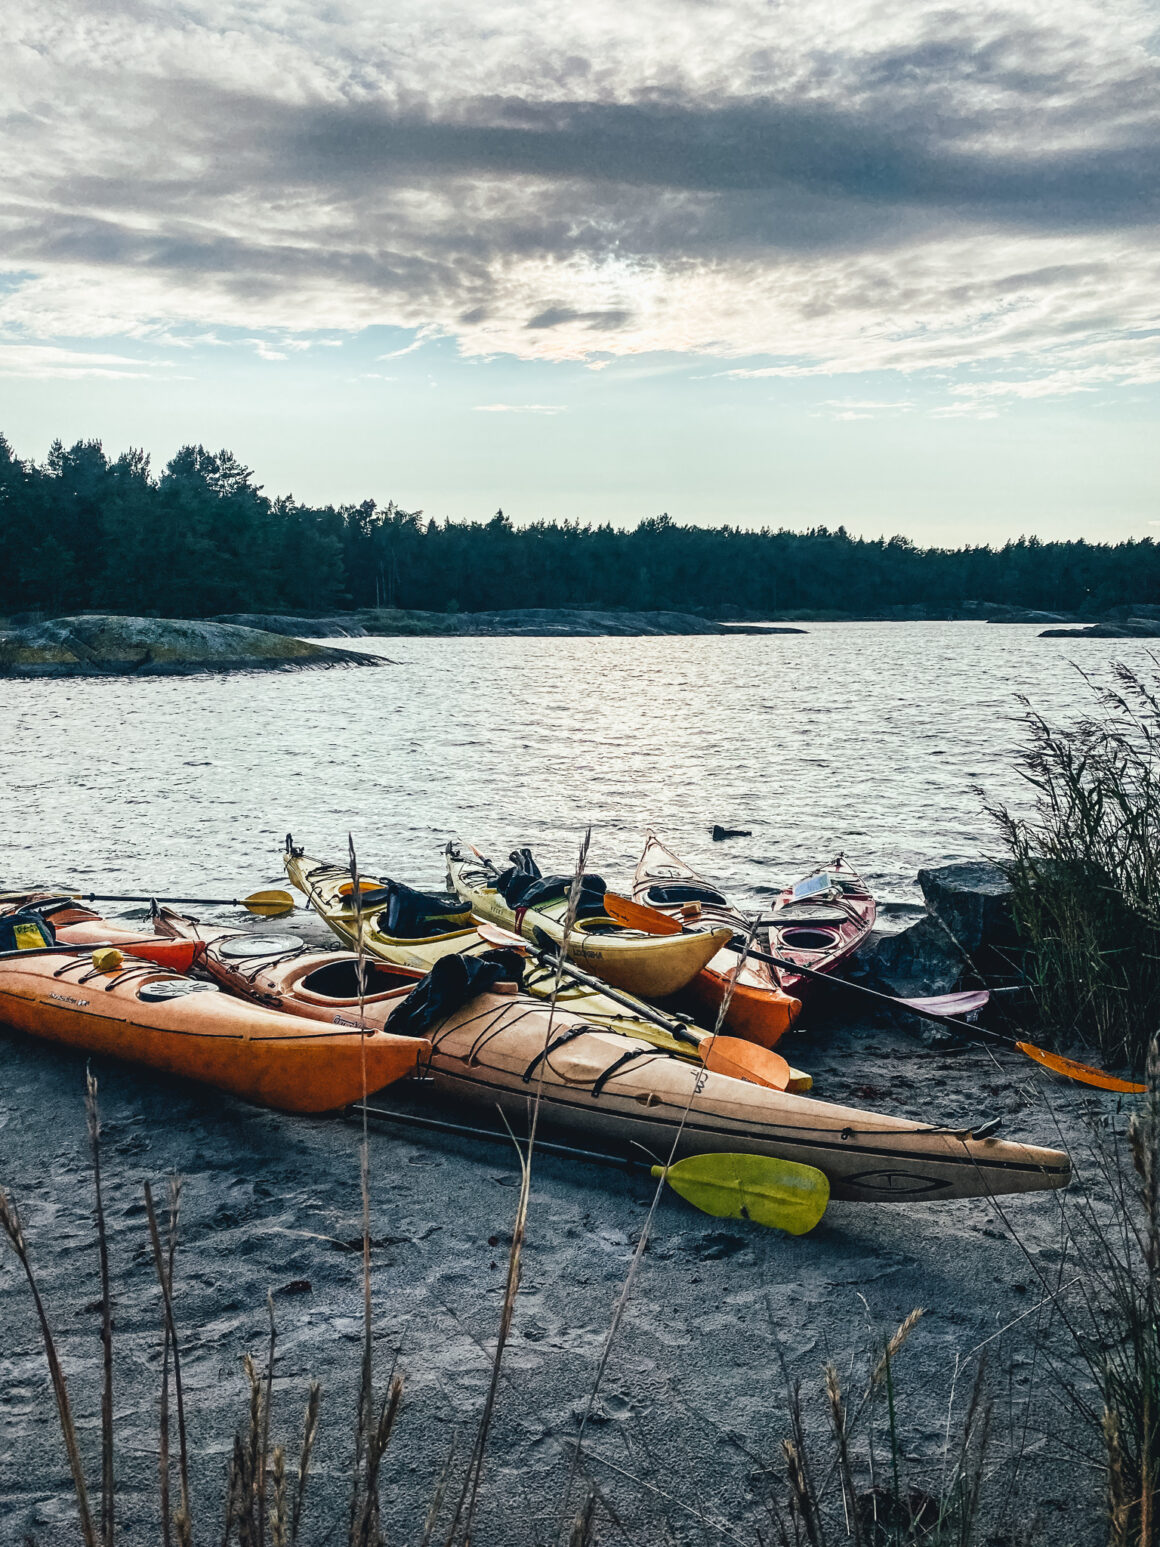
(808, 190)
(519, 408)
(46, 362)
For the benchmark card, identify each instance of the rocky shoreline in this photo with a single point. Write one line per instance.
(103, 645)
(536, 622)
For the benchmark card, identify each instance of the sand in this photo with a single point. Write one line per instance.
(685, 1443)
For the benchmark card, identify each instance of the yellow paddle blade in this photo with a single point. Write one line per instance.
(269, 904)
(1084, 1073)
(745, 1061)
(649, 920)
(778, 1193)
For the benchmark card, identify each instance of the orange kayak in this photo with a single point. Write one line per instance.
(142, 1012)
(760, 1010)
(278, 971)
(74, 924)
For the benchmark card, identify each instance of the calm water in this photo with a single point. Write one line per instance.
(865, 738)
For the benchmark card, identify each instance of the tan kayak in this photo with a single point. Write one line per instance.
(619, 1090)
(651, 966)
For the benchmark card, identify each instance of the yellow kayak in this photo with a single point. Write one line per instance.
(329, 891)
(650, 966)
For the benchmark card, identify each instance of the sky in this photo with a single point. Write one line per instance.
(887, 265)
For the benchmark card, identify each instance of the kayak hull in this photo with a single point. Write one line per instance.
(491, 1058)
(287, 1062)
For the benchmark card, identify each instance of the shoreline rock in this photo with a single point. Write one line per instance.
(1131, 628)
(549, 622)
(103, 645)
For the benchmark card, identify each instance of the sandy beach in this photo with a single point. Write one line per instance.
(685, 1438)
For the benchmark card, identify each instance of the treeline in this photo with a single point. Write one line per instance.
(81, 532)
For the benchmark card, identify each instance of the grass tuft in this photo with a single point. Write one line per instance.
(1084, 865)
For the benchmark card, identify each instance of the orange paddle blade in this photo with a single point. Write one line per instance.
(745, 1061)
(1084, 1073)
(636, 914)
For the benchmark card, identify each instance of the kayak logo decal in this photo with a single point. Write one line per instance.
(894, 1183)
(68, 999)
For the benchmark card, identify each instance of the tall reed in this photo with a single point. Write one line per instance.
(1084, 865)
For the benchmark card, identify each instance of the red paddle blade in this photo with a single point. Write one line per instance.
(965, 1003)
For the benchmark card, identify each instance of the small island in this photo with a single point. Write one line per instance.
(101, 645)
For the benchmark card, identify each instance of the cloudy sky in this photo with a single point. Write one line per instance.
(887, 264)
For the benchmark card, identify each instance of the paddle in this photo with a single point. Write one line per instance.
(777, 1193)
(722, 1055)
(643, 917)
(268, 903)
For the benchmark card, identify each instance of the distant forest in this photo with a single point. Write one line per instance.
(81, 532)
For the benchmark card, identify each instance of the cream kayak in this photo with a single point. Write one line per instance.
(499, 1049)
(651, 966)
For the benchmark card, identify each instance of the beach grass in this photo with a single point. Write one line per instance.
(1084, 864)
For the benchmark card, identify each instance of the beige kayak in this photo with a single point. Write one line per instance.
(597, 1087)
(652, 966)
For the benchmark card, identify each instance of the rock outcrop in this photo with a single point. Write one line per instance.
(1131, 628)
(967, 929)
(550, 622)
(973, 901)
(96, 645)
(914, 962)
(327, 626)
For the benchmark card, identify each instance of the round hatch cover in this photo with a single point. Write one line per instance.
(173, 988)
(245, 947)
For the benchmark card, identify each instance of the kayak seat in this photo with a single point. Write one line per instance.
(337, 982)
(549, 889)
(683, 891)
(411, 915)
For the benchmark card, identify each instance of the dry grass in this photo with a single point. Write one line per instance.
(861, 1494)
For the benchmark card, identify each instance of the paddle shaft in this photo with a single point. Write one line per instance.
(464, 1130)
(677, 1029)
(204, 902)
(872, 993)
